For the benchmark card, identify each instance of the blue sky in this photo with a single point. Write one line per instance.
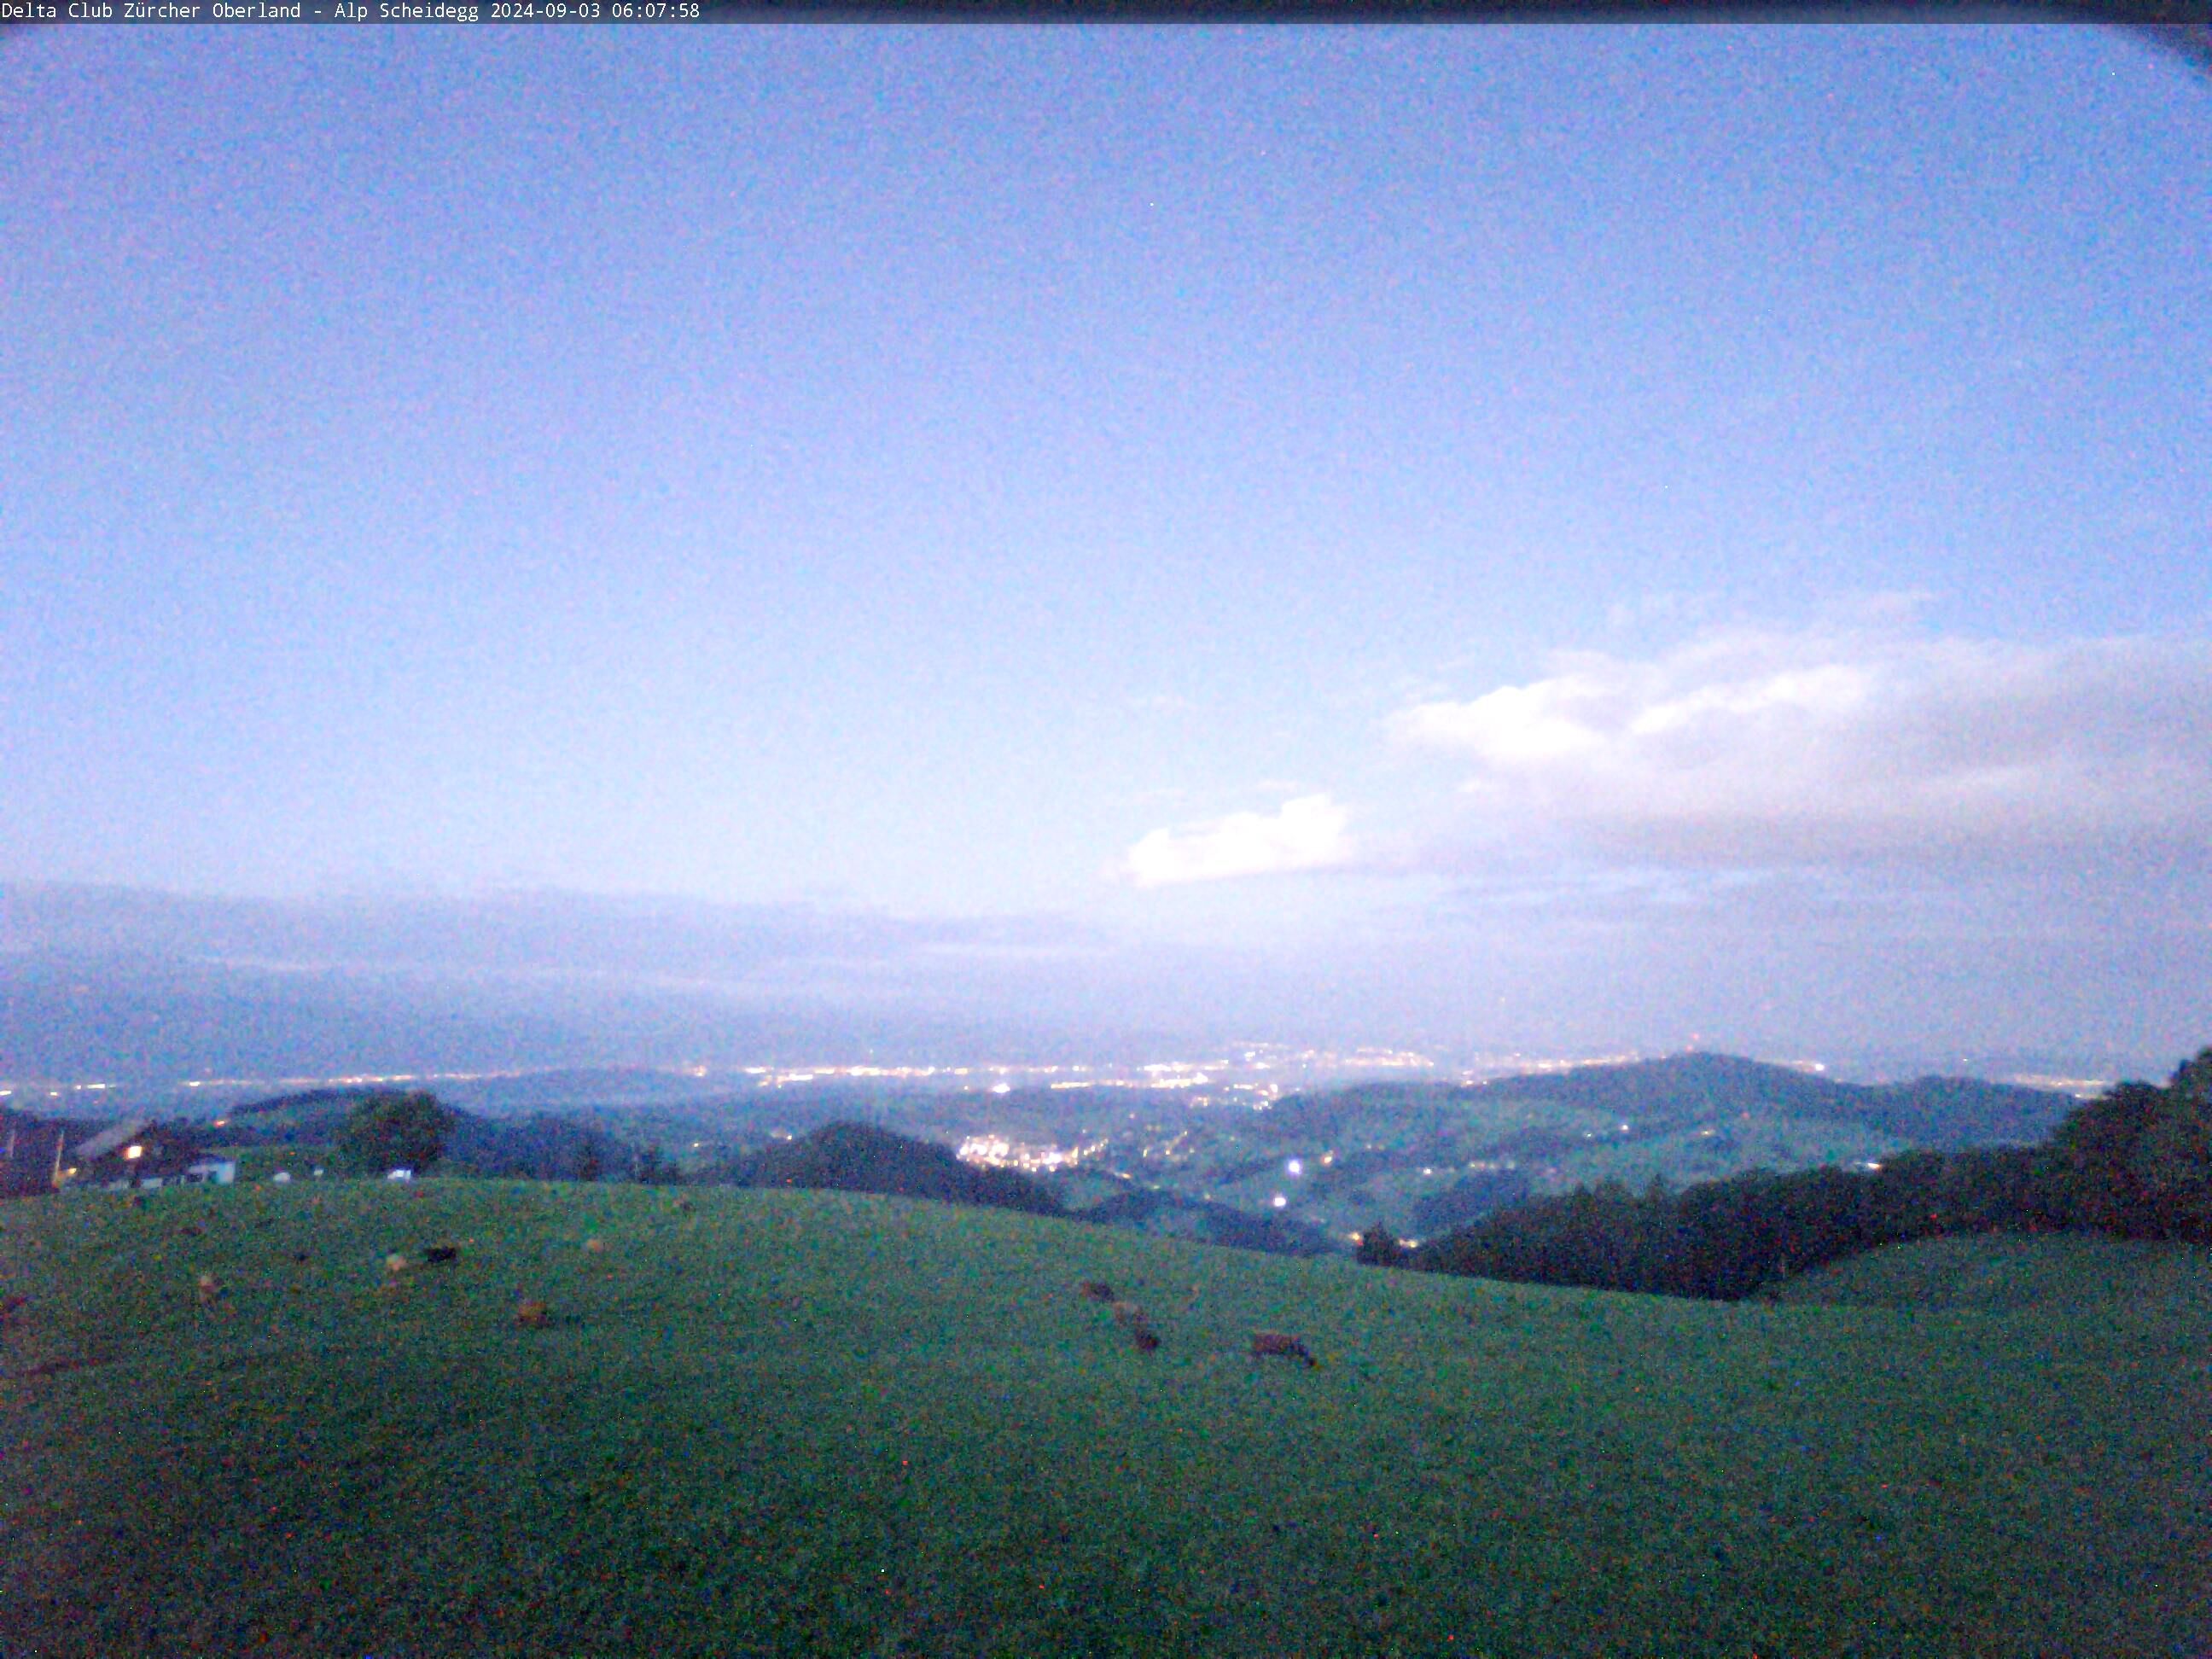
(1474, 534)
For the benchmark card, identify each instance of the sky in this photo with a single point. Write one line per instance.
(1481, 535)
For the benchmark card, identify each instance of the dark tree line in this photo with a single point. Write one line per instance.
(2136, 1162)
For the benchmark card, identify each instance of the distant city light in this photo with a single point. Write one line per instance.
(1001, 1152)
(1280, 1201)
(1296, 1166)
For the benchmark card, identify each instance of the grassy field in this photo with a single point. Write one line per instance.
(2092, 1275)
(796, 1423)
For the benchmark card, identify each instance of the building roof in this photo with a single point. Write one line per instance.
(109, 1138)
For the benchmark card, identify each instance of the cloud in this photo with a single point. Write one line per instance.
(1306, 834)
(1760, 748)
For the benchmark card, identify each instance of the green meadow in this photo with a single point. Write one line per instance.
(796, 1423)
(2087, 1276)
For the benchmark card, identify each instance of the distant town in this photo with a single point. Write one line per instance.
(1254, 1074)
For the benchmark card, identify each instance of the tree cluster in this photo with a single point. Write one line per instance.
(863, 1157)
(1378, 1247)
(395, 1132)
(2136, 1162)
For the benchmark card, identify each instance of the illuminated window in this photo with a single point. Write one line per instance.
(134, 1151)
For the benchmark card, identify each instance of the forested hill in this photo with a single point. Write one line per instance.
(862, 1157)
(1931, 1111)
(2135, 1162)
(1937, 1112)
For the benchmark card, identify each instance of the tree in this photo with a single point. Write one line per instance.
(587, 1161)
(2089, 1164)
(653, 1170)
(2171, 1163)
(395, 1132)
(1379, 1248)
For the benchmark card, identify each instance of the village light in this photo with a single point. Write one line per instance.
(134, 1151)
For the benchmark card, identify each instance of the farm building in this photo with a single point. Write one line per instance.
(138, 1153)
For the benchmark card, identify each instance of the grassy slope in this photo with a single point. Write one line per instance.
(2003, 1273)
(799, 1423)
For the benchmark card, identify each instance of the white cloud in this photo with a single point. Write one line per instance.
(1306, 834)
(1763, 747)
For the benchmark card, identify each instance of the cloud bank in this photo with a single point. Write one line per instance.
(1760, 748)
(1305, 834)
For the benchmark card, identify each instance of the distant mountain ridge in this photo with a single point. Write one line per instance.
(1937, 1112)
(1940, 1112)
